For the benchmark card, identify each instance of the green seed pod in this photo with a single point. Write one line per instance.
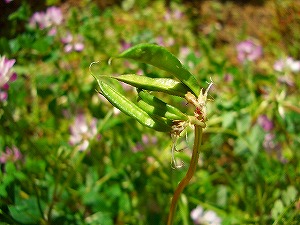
(131, 109)
(161, 58)
(153, 105)
(151, 110)
(165, 85)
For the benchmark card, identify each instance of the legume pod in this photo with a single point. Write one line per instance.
(131, 109)
(165, 85)
(153, 105)
(161, 58)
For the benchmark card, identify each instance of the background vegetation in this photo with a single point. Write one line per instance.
(68, 157)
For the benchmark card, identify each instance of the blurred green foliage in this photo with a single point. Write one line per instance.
(124, 175)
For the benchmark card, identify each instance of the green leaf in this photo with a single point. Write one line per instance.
(228, 119)
(26, 211)
(289, 195)
(243, 123)
(128, 107)
(240, 146)
(277, 209)
(35, 166)
(124, 203)
(42, 45)
(222, 195)
(255, 139)
(154, 106)
(21, 13)
(99, 218)
(3, 192)
(159, 57)
(14, 45)
(165, 85)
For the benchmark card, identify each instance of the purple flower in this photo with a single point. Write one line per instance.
(11, 154)
(8, 1)
(199, 216)
(248, 51)
(265, 123)
(6, 76)
(52, 17)
(287, 64)
(149, 140)
(73, 44)
(160, 40)
(269, 142)
(146, 141)
(82, 132)
(273, 147)
(138, 147)
(125, 45)
(228, 78)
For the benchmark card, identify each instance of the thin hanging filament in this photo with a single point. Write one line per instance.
(174, 164)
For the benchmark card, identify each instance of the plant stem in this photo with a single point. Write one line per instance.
(190, 173)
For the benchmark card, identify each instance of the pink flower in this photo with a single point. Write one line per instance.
(287, 64)
(82, 132)
(3, 96)
(248, 51)
(73, 44)
(177, 14)
(5, 70)
(8, 1)
(6, 76)
(38, 19)
(11, 154)
(199, 216)
(49, 19)
(54, 15)
(173, 15)
(184, 52)
(265, 123)
(52, 31)
(167, 43)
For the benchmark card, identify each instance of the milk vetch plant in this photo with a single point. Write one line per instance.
(154, 113)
